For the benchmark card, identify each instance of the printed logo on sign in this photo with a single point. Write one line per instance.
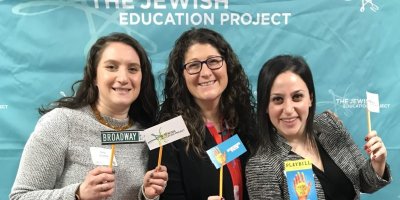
(161, 137)
(219, 156)
(226, 151)
(234, 147)
(168, 131)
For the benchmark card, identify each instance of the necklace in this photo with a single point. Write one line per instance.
(105, 123)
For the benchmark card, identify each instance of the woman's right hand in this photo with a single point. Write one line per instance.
(99, 183)
(155, 181)
(215, 198)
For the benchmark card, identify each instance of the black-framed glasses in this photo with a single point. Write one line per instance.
(212, 63)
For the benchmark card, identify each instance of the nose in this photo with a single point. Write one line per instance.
(205, 71)
(122, 76)
(288, 106)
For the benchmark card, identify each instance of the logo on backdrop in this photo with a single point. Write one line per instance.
(32, 8)
(154, 12)
(347, 104)
(3, 107)
(369, 4)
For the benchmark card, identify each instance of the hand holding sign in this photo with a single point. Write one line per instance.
(372, 106)
(99, 183)
(155, 181)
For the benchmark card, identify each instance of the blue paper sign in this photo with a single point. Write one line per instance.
(226, 151)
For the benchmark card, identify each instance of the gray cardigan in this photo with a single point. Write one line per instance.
(265, 176)
(57, 158)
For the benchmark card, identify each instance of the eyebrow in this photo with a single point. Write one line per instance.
(117, 62)
(197, 59)
(280, 94)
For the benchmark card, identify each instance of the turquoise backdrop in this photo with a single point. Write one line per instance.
(351, 45)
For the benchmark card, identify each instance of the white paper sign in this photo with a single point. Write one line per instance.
(101, 156)
(166, 132)
(373, 102)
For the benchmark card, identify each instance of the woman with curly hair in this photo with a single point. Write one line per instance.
(206, 84)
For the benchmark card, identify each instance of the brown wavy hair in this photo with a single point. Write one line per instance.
(143, 109)
(236, 104)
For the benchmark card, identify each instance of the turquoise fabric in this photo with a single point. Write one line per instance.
(351, 45)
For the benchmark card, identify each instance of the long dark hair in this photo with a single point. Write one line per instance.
(236, 104)
(143, 109)
(268, 73)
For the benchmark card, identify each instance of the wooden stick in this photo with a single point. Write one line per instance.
(221, 175)
(159, 155)
(112, 155)
(369, 120)
(369, 127)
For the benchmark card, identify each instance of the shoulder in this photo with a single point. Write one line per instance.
(62, 113)
(260, 162)
(60, 119)
(54, 116)
(330, 129)
(263, 175)
(328, 121)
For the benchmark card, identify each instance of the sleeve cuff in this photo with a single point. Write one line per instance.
(141, 193)
(380, 181)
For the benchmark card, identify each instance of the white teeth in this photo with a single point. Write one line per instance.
(206, 83)
(121, 90)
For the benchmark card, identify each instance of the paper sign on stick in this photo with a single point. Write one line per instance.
(226, 151)
(373, 102)
(166, 132)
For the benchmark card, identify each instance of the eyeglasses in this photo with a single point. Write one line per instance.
(212, 63)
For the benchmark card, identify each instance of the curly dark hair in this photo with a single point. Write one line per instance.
(143, 109)
(268, 73)
(237, 104)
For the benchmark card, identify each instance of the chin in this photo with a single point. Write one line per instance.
(291, 132)
(124, 103)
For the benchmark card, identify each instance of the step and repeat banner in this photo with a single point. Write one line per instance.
(352, 46)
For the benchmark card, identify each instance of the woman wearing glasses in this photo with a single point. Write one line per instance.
(206, 84)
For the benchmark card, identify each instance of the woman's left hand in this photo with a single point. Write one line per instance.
(155, 181)
(375, 147)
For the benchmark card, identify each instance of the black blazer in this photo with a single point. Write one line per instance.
(191, 177)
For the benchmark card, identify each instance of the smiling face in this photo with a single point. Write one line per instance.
(208, 85)
(289, 105)
(118, 78)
